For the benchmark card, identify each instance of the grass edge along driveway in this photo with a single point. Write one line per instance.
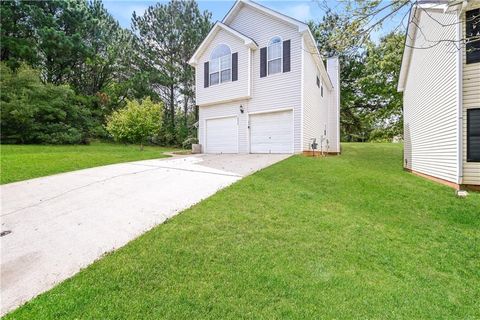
(22, 162)
(344, 237)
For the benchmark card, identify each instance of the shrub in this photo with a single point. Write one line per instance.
(137, 122)
(187, 143)
(34, 112)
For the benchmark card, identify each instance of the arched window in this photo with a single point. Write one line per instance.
(220, 64)
(274, 55)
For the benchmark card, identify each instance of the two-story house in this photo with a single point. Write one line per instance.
(440, 80)
(262, 86)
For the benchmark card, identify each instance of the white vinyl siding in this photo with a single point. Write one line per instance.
(271, 132)
(281, 90)
(471, 99)
(316, 108)
(278, 91)
(431, 101)
(221, 135)
(228, 90)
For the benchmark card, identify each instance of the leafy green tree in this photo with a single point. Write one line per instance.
(71, 42)
(370, 104)
(17, 34)
(34, 112)
(136, 123)
(379, 83)
(167, 36)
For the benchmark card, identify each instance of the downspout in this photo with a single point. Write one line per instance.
(460, 96)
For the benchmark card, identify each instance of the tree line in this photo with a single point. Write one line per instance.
(67, 66)
(64, 57)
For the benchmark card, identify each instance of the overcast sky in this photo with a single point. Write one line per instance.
(302, 10)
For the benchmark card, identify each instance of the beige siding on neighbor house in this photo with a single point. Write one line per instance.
(228, 91)
(431, 101)
(315, 106)
(471, 99)
(281, 90)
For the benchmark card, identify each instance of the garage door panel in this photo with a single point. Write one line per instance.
(271, 132)
(222, 135)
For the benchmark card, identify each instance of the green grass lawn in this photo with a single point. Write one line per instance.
(21, 162)
(346, 237)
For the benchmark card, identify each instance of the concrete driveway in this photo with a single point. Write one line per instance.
(62, 223)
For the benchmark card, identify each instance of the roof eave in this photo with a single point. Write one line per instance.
(317, 56)
(412, 30)
(250, 43)
(407, 51)
(301, 27)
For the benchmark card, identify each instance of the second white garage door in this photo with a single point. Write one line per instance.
(222, 135)
(271, 132)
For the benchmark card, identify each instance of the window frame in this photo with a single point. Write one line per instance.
(279, 58)
(468, 134)
(219, 64)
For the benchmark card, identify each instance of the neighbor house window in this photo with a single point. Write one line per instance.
(220, 65)
(473, 35)
(274, 55)
(473, 135)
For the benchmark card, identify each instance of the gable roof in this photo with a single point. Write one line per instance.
(302, 27)
(240, 3)
(412, 27)
(213, 32)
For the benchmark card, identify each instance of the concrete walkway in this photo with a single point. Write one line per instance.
(62, 223)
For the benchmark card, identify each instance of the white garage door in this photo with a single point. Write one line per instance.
(222, 135)
(271, 132)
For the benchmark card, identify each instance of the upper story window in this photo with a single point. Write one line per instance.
(220, 65)
(473, 35)
(274, 55)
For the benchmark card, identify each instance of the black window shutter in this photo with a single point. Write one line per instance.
(473, 135)
(235, 66)
(286, 56)
(206, 74)
(263, 62)
(473, 30)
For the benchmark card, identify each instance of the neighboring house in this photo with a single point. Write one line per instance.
(262, 87)
(440, 80)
